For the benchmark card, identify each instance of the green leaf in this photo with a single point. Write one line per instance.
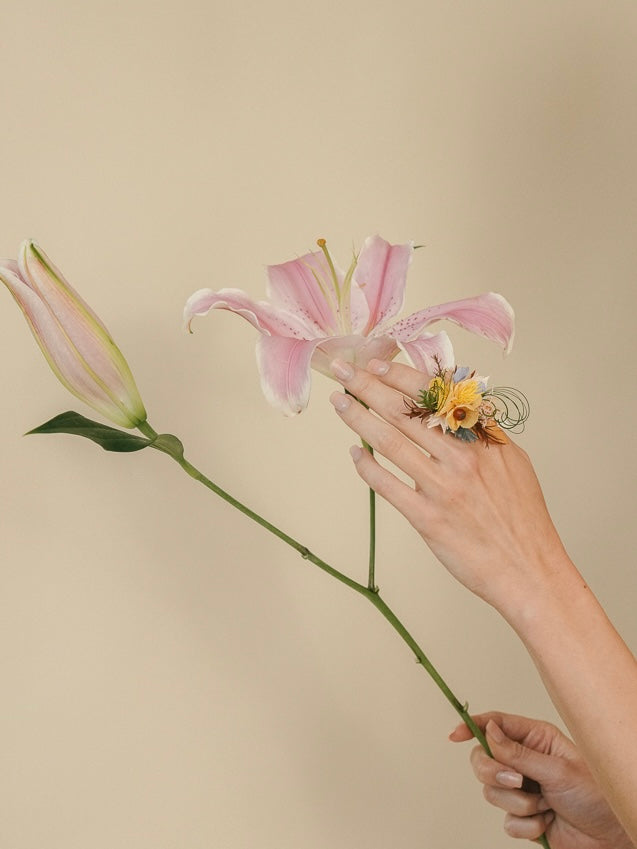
(109, 438)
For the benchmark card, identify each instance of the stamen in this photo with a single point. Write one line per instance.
(323, 246)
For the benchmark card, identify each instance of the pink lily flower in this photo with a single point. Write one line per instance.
(77, 346)
(316, 313)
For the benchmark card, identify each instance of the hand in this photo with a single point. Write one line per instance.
(479, 508)
(567, 805)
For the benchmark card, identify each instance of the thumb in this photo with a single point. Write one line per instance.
(529, 762)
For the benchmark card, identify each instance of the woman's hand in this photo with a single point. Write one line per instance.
(479, 508)
(566, 803)
(481, 511)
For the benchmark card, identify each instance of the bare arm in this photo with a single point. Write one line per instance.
(482, 513)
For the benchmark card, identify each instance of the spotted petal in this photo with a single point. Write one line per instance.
(382, 273)
(489, 315)
(305, 288)
(430, 352)
(262, 315)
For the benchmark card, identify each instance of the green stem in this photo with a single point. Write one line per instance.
(371, 580)
(421, 657)
(175, 450)
(172, 446)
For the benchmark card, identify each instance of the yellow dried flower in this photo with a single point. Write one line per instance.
(461, 406)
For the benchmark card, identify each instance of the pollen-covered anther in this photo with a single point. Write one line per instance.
(321, 243)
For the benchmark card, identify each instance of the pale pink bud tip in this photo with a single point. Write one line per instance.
(76, 344)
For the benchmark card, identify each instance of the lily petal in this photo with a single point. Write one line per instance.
(382, 273)
(305, 288)
(489, 315)
(284, 367)
(430, 352)
(262, 315)
(353, 349)
(111, 392)
(86, 333)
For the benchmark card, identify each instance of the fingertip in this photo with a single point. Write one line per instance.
(494, 731)
(460, 734)
(340, 401)
(380, 367)
(342, 370)
(356, 452)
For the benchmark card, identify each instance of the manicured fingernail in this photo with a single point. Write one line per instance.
(356, 453)
(509, 779)
(342, 370)
(495, 732)
(341, 402)
(378, 366)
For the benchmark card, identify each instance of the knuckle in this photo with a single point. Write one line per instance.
(469, 459)
(480, 764)
(370, 472)
(490, 794)
(529, 804)
(361, 382)
(389, 442)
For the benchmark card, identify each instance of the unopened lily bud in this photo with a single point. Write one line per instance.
(76, 344)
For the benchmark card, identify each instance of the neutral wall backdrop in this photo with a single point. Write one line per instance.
(172, 677)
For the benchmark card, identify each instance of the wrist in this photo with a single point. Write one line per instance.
(542, 587)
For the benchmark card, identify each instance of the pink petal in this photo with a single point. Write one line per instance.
(42, 275)
(86, 336)
(62, 355)
(262, 315)
(430, 352)
(489, 315)
(284, 367)
(353, 349)
(381, 273)
(294, 286)
(358, 308)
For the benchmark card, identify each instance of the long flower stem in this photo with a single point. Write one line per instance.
(172, 446)
(371, 579)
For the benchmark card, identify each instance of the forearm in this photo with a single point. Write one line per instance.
(589, 673)
(481, 512)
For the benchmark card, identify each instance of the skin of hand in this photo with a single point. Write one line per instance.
(459, 486)
(481, 511)
(565, 801)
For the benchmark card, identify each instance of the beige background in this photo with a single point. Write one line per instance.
(173, 678)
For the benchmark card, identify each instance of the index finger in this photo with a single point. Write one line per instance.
(384, 400)
(399, 376)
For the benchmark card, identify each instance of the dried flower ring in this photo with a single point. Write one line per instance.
(461, 403)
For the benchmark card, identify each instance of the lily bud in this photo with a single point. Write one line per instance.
(76, 344)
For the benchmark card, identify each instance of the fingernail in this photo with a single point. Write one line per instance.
(548, 818)
(356, 453)
(495, 732)
(339, 401)
(543, 806)
(342, 370)
(378, 366)
(509, 779)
